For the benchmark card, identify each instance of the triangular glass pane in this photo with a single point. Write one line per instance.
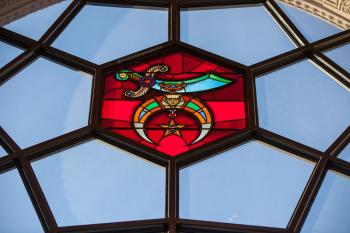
(312, 27)
(103, 33)
(244, 34)
(341, 56)
(345, 154)
(8, 53)
(44, 101)
(17, 214)
(94, 182)
(35, 24)
(330, 210)
(253, 184)
(303, 103)
(2, 152)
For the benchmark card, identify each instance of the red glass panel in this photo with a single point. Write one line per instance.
(174, 103)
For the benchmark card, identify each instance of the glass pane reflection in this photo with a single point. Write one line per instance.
(96, 183)
(17, 214)
(330, 210)
(103, 33)
(8, 53)
(303, 103)
(345, 153)
(2, 152)
(244, 34)
(341, 56)
(44, 101)
(244, 186)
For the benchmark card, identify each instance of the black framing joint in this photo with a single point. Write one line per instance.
(309, 195)
(36, 195)
(287, 25)
(174, 21)
(8, 143)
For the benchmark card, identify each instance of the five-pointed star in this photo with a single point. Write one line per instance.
(172, 128)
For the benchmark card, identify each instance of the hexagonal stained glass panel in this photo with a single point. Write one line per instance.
(253, 184)
(174, 103)
(94, 182)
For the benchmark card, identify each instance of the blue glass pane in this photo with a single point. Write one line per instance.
(345, 154)
(43, 101)
(36, 24)
(330, 211)
(303, 103)
(102, 33)
(312, 27)
(252, 184)
(17, 214)
(247, 35)
(2, 152)
(341, 56)
(8, 53)
(97, 183)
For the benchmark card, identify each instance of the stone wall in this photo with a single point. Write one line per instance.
(13, 9)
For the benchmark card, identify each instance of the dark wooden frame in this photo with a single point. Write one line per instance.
(21, 158)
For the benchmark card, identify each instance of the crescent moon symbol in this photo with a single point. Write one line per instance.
(193, 106)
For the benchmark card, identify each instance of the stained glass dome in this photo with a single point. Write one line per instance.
(174, 116)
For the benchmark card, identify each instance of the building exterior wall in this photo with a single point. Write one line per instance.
(11, 10)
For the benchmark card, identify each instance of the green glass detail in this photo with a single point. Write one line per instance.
(194, 80)
(192, 106)
(198, 79)
(208, 76)
(152, 106)
(218, 78)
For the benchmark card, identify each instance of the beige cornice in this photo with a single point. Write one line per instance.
(336, 12)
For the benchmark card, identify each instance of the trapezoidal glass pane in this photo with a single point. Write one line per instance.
(303, 103)
(44, 101)
(2, 152)
(341, 56)
(311, 26)
(103, 33)
(94, 182)
(8, 53)
(253, 184)
(17, 214)
(35, 24)
(330, 210)
(244, 34)
(345, 154)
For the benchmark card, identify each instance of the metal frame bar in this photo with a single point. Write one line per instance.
(21, 158)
